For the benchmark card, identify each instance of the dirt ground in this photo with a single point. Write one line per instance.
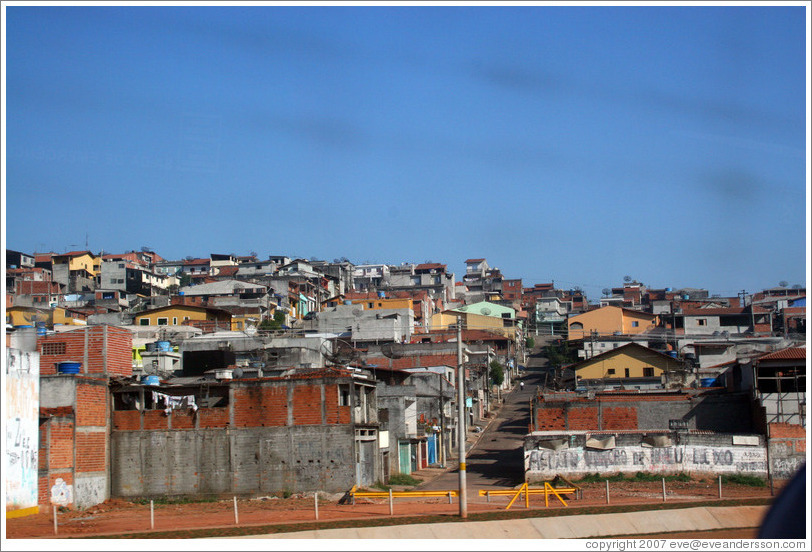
(123, 518)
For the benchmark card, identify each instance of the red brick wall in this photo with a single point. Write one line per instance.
(619, 417)
(60, 447)
(307, 405)
(583, 417)
(257, 406)
(791, 435)
(415, 361)
(127, 420)
(90, 451)
(183, 419)
(212, 417)
(118, 355)
(155, 419)
(91, 402)
(550, 418)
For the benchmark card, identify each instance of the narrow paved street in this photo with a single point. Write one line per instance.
(496, 460)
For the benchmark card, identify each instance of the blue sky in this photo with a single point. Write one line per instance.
(576, 144)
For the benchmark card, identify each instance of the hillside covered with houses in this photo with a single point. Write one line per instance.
(132, 375)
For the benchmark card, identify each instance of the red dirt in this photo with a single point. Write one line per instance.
(119, 517)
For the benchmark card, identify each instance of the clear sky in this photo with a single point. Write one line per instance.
(571, 144)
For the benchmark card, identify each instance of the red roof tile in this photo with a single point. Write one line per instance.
(474, 261)
(791, 353)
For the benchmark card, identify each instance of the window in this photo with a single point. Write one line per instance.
(701, 321)
(648, 372)
(53, 348)
(611, 371)
(143, 322)
(343, 395)
(370, 305)
(174, 321)
(627, 372)
(163, 321)
(635, 324)
(121, 265)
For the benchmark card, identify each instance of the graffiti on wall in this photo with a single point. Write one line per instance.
(684, 458)
(61, 493)
(22, 429)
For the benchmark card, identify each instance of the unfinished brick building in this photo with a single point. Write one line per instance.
(313, 430)
(74, 425)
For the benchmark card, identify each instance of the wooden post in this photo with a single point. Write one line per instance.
(236, 514)
(607, 491)
(151, 515)
(663, 489)
(56, 525)
(391, 504)
(316, 503)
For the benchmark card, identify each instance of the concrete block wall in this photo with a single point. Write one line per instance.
(787, 446)
(102, 350)
(274, 434)
(699, 454)
(728, 413)
(246, 461)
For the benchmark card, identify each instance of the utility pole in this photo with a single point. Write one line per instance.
(462, 421)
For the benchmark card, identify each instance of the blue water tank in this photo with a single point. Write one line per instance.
(151, 380)
(707, 382)
(41, 329)
(672, 354)
(68, 367)
(163, 345)
(382, 294)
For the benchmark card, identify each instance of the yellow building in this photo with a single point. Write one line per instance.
(30, 316)
(79, 260)
(377, 303)
(610, 320)
(629, 361)
(176, 315)
(471, 321)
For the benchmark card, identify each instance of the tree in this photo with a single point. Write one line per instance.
(185, 279)
(606, 291)
(497, 373)
(275, 324)
(529, 343)
(627, 278)
(783, 283)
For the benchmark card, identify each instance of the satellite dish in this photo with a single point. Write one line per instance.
(237, 373)
(485, 310)
(357, 312)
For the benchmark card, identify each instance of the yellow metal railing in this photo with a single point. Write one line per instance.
(527, 491)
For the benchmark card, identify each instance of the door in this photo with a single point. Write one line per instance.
(405, 458)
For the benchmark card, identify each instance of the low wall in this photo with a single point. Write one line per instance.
(549, 454)
(227, 461)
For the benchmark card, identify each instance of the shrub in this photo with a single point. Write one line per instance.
(403, 479)
(740, 479)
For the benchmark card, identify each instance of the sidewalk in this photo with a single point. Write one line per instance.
(562, 527)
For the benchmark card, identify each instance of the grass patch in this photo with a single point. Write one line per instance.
(638, 477)
(381, 486)
(747, 480)
(403, 479)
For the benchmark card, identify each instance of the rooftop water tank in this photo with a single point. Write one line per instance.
(151, 380)
(68, 367)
